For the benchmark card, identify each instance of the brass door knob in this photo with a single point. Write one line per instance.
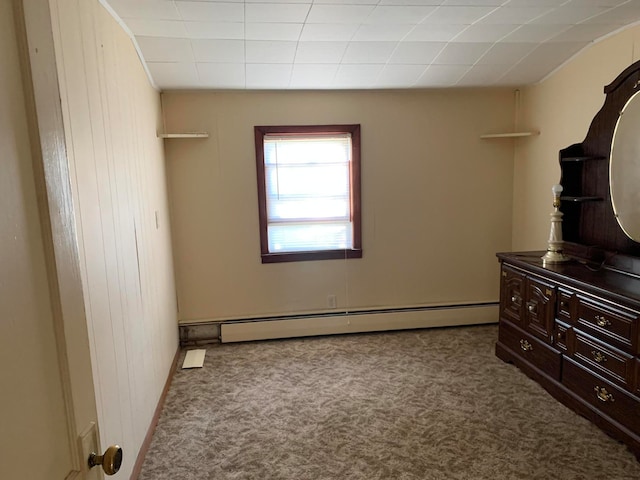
(110, 461)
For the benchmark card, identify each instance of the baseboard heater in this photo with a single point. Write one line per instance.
(344, 322)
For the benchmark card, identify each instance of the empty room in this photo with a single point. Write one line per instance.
(320, 239)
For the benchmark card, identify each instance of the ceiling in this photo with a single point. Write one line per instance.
(363, 44)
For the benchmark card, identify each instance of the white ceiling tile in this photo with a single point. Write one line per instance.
(519, 75)
(381, 32)
(147, 9)
(212, 1)
(461, 53)
(339, 13)
(481, 32)
(596, 3)
(411, 15)
(276, 12)
(356, 76)
(399, 76)
(269, 52)
(218, 51)
(459, 15)
(404, 3)
(355, 2)
(370, 39)
(268, 76)
(273, 31)
(623, 15)
(329, 32)
(487, 3)
(313, 76)
(582, 33)
(506, 53)
(320, 52)
(174, 75)
(215, 30)
(368, 52)
(416, 53)
(534, 33)
(483, 75)
(272, 1)
(434, 32)
(515, 15)
(442, 75)
(211, 11)
(569, 16)
(160, 49)
(221, 75)
(536, 3)
(156, 28)
(541, 61)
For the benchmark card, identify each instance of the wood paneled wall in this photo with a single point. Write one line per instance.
(111, 113)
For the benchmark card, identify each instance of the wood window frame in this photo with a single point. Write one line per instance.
(355, 192)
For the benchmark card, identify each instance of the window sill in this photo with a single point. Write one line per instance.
(309, 256)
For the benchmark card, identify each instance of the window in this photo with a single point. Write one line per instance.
(309, 192)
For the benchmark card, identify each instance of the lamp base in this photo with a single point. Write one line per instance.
(554, 256)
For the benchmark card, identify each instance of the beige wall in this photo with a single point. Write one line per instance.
(436, 201)
(562, 108)
(111, 114)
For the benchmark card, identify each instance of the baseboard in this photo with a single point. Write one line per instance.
(144, 448)
(358, 322)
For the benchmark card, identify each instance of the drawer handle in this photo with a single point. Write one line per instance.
(598, 356)
(603, 395)
(525, 346)
(531, 307)
(563, 304)
(601, 321)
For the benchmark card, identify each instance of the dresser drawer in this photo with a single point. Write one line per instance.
(603, 395)
(512, 295)
(529, 348)
(561, 335)
(565, 305)
(616, 326)
(612, 364)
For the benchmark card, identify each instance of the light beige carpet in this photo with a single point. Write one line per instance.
(427, 404)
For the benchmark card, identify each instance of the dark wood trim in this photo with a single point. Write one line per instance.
(356, 194)
(259, 133)
(310, 256)
(622, 77)
(144, 448)
(355, 184)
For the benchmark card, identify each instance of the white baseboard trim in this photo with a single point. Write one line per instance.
(358, 322)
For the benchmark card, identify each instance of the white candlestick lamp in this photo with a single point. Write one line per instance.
(554, 250)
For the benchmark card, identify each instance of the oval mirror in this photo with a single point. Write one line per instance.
(624, 169)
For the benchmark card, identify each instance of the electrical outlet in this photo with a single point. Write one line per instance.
(332, 301)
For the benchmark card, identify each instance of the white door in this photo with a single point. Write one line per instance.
(47, 403)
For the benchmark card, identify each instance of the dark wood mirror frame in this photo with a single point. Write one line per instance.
(590, 229)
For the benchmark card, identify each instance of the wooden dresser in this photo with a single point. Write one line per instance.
(575, 327)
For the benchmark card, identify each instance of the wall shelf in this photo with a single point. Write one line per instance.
(184, 135)
(581, 199)
(581, 159)
(509, 135)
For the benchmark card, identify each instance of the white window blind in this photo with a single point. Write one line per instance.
(307, 180)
